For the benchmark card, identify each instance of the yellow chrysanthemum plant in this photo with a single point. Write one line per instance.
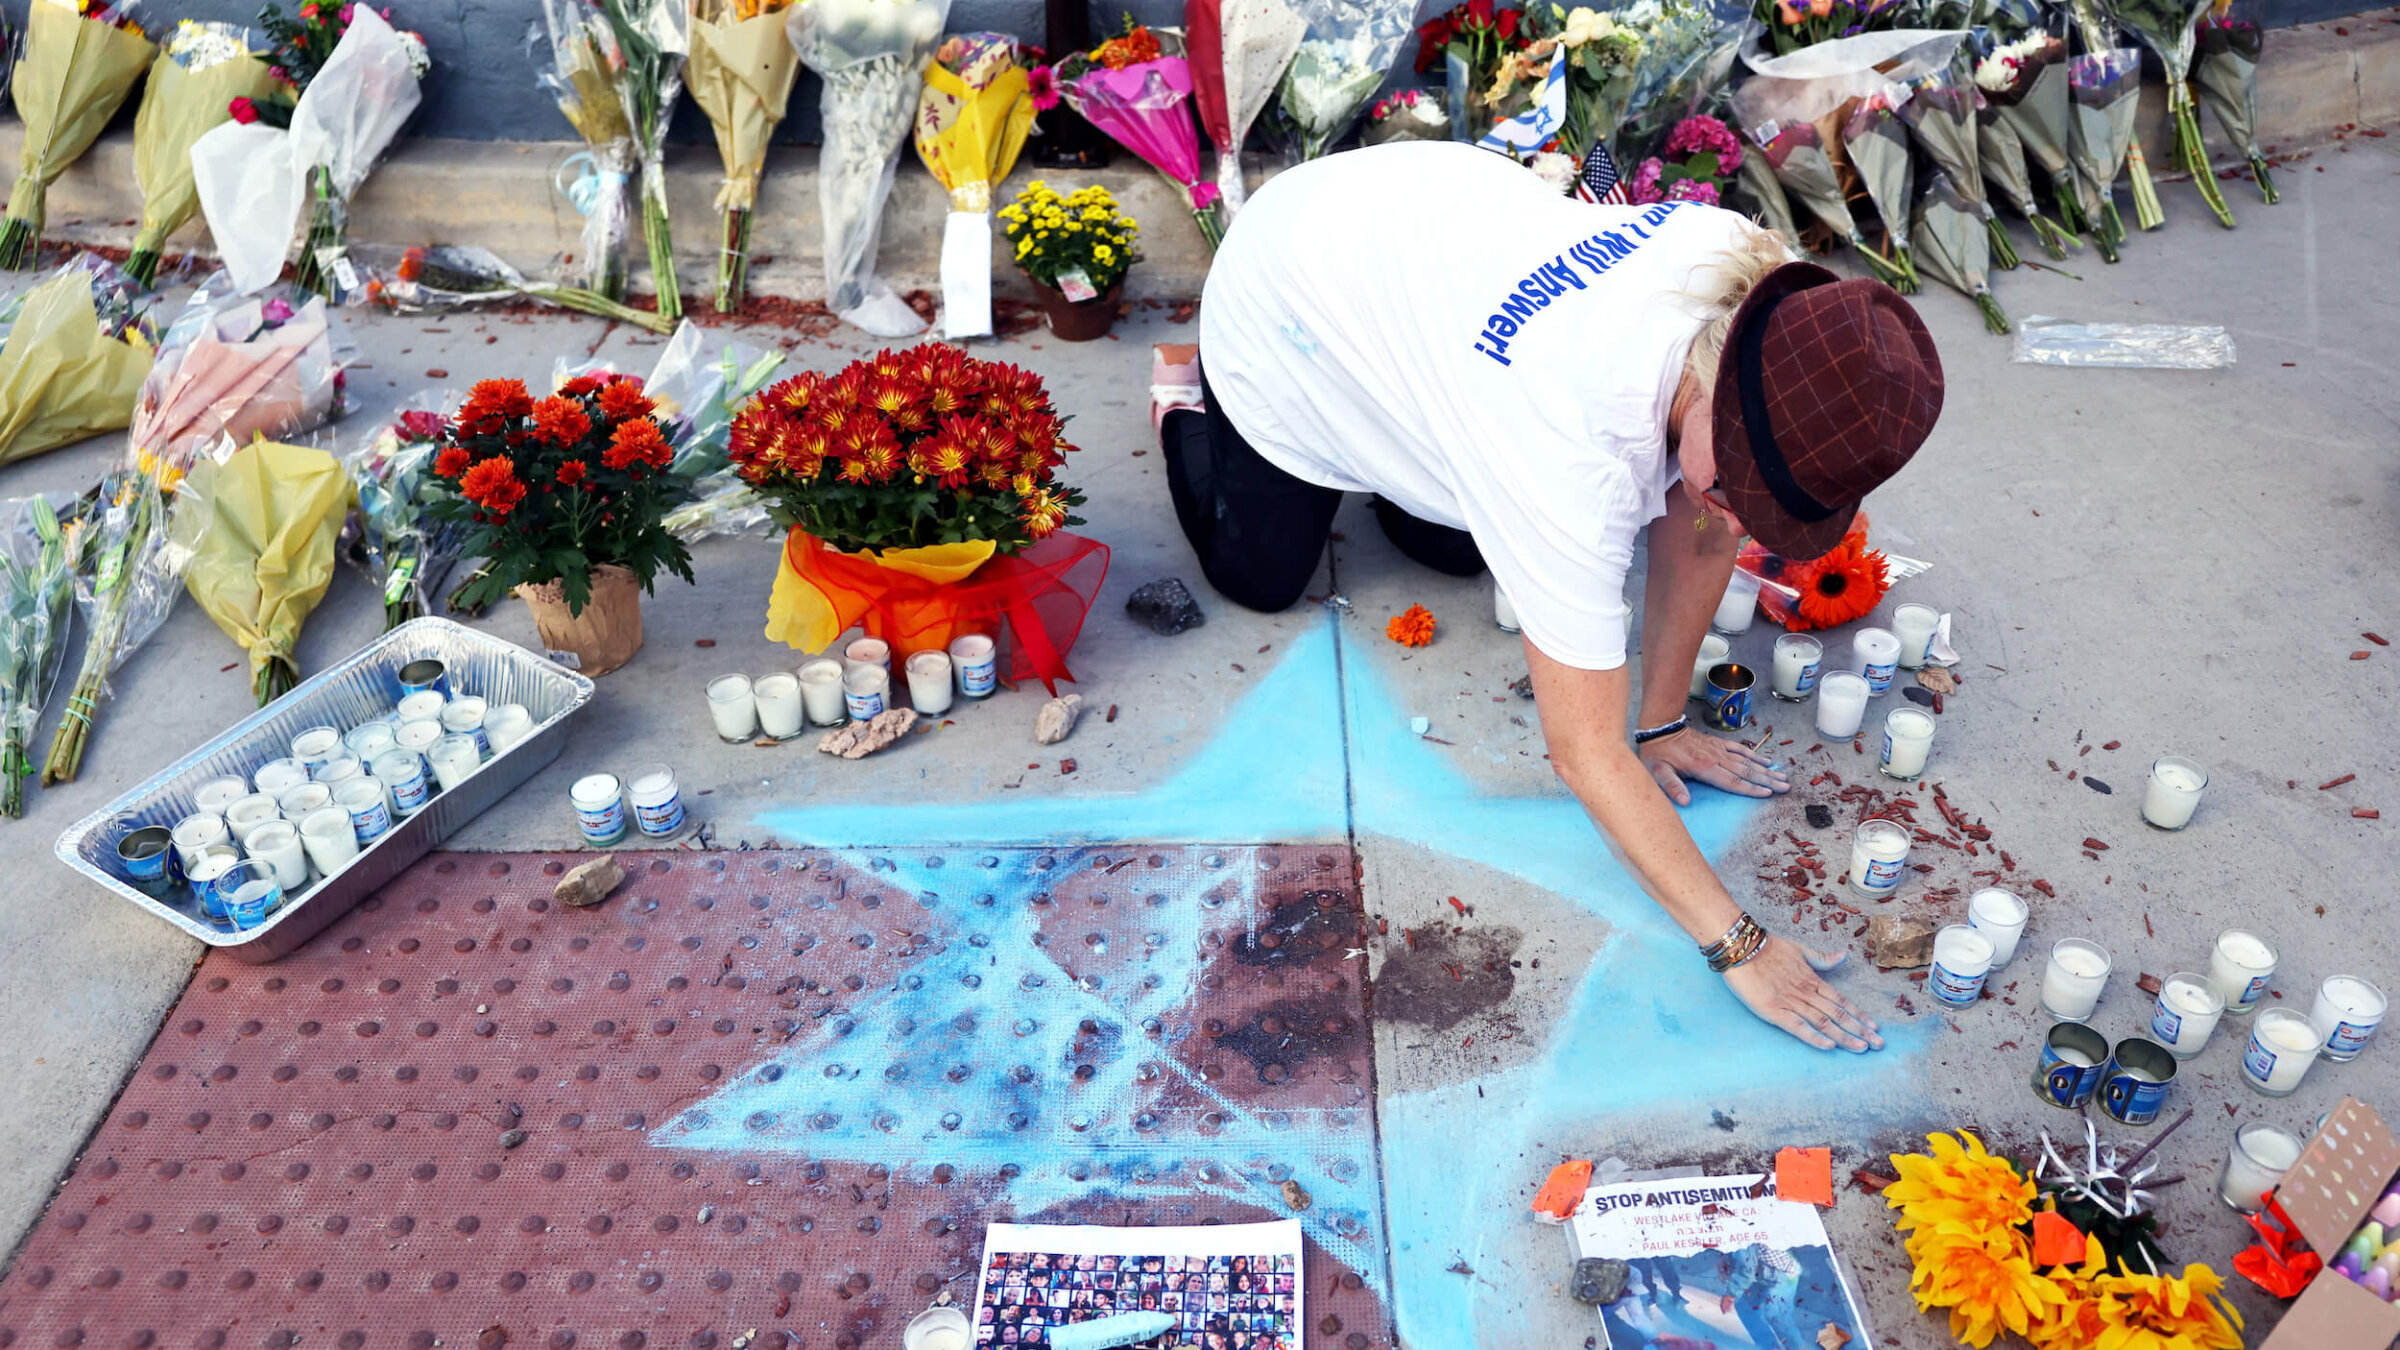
(1969, 1215)
(1080, 236)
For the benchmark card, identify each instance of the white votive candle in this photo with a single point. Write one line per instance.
(1875, 654)
(1962, 960)
(295, 802)
(1713, 651)
(331, 840)
(1504, 614)
(249, 811)
(316, 745)
(425, 705)
(2260, 1157)
(2347, 1011)
(1798, 660)
(1841, 704)
(277, 774)
(201, 829)
(454, 760)
(2072, 982)
(733, 707)
(1739, 605)
(1999, 915)
(2239, 968)
(821, 691)
(2282, 1046)
(505, 724)
(779, 710)
(277, 842)
(338, 770)
(417, 737)
(866, 691)
(657, 801)
(369, 805)
(463, 716)
(250, 892)
(1907, 741)
(976, 659)
(929, 682)
(212, 797)
(368, 742)
(402, 773)
(2174, 792)
(868, 651)
(2187, 1014)
(1878, 858)
(1914, 625)
(599, 802)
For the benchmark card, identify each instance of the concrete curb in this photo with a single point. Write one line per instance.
(2317, 78)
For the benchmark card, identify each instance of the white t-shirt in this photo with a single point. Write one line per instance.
(1429, 321)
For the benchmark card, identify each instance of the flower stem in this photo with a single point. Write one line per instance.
(142, 266)
(325, 231)
(733, 260)
(1995, 319)
(2070, 211)
(2146, 211)
(17, 243)
(2266, 182)
(592, 302)
(2195, 155)
(2004, 249)
(662, 256)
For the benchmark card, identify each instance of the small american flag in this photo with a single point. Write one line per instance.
(1599, 182)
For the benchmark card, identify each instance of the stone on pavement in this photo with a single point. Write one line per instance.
(1056, 720)
(589, 883)
(857, 740)
(1166, 605)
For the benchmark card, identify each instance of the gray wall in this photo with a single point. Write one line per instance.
(482, 86)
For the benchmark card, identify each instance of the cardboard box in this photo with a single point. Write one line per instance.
(2328, 1192)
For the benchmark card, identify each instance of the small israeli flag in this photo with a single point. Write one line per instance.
(1524, 133)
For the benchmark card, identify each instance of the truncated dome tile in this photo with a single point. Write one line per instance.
(760, 1099)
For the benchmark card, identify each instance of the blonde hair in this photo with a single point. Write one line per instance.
(1719, 288)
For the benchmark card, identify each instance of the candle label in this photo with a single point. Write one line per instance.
(2133, 1100)
(663, 818)
(862, 707)
(1882, 874)
(2258, 1061)
(371, 821)
(250, 905)
(2250, 995)
(1808, 676)
(2349, 1038)
(1954, 989)
(2166, 1025)
(410, 792)
(979, 678)
(602, 825)
(1879, 676)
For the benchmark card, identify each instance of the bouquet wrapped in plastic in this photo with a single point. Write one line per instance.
(1940, 113)
(1238, 50)
(76, 351)
(1876, 141)
(1762, 193)
(1796, 154)
(37, 605)
(2170, 28)
(1138, 89)
(1349, 48)
(231, 369)
(2026, 80)
(206, 67)
(652, 38)
(740, 73)
(582, 76)
(395, 538)
(81, 59)
(1685, 59)
(1953, 247)
(2106, 89)
(2001, 157)
(1406, 115)
(971, 121)
(1468, 43)
(357, 79)
(2225, 75)
(420, 280)
(128, 573)
(261, 528)
(871, 56)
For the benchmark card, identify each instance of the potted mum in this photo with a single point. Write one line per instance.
(565, 497)
(1077, 249)
(921, 493)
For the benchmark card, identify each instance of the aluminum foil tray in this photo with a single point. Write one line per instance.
(361, 687)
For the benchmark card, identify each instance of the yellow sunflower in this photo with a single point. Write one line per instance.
(1959, 1188)
(1988, 1284)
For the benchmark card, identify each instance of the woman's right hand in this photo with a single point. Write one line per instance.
(1782, 984)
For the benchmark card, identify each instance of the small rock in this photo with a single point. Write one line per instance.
(707, 1212)
(1598, 1280)
(512, 1139)
(1938, 679)
(1057, 719)
(1522, 686)
(1296, 1197)
(860, 739)
(1923, 698)
(1820, 816)
(1900, 943)
(2097, 786)
(590, 883)
(1166, 605)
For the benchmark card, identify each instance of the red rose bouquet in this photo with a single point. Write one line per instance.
(922, 495)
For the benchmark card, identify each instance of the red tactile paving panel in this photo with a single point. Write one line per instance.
(325, 1151)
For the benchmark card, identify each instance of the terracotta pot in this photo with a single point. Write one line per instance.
(1080, 320)
(604, 636)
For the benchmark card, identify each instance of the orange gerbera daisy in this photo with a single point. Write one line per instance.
(1411, 629)
(1841, 587)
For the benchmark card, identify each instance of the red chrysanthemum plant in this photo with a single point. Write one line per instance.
(907, 449)
(554, 489)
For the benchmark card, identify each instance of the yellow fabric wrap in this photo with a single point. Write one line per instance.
(741, 75)
(74, 74)
(970, 137)
(801, 615)
(61, 378)
(177, 107)
(262, 527)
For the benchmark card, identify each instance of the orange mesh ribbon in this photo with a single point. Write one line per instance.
(1042, 592)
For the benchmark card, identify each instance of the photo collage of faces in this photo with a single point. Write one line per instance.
(1219, 1302)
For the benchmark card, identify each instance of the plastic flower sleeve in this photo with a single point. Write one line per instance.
(2045, 341)
(261, 527)
(72, 360)
(1142, 107)
(344, 121)
(2106, 88)
(1685, 61)
(1940, 113)
(37, 599)
(405, 549)
(128, 574)
(1349, 48)
(1876, 141)
(2225, 76)
(1806, 174)
(578, 76)
(1953, 248)
(2168, 27)
(740, 73)
(871, 55)
(422, 280)
(651, 38)
(74, 73)
(972, 120)
(1238, 50)
(1764, 191)
(190, 90)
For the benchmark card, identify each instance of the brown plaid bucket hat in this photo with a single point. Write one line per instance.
(1826, 389)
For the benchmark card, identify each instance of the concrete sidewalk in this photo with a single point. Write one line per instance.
(2169, 561)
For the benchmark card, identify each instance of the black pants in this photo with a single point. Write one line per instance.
(1258, 530)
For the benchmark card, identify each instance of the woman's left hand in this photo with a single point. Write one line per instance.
(1726, 765)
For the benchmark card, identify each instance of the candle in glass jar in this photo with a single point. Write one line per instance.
(2173, 792)
(423, 706)
(1999, 915)
(1739, 605)
(207, 872)
(330, 838)
(250, 892)
(599, 802)
(1878, 857)
(2239, 969)
(454, 760)
(2260, 1157)
(868, 651)
(821, 692)
(657, 801)
(1914, 626)
(463, 716)
(296, 802)
(1841, 704)
(2187, 1014)
(929, 682)
(1962, 960)
(1875, 654)
(733, 707)
(505, 724)
(1504, 614)
(1713, 651)
(369, 805)
(316, 745)
(277, 774)
(417, 738)
(866, 691)
(779, 710)
(2282, 1046)
(976, 658)
(402, 773)
(337, 770)
(1798, 659)
(277, 842)
(368, 740)
(2347, 1011)
(199, 830)
(2072, 983)
(1907, 742)
(212, 797)
(249, 811)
